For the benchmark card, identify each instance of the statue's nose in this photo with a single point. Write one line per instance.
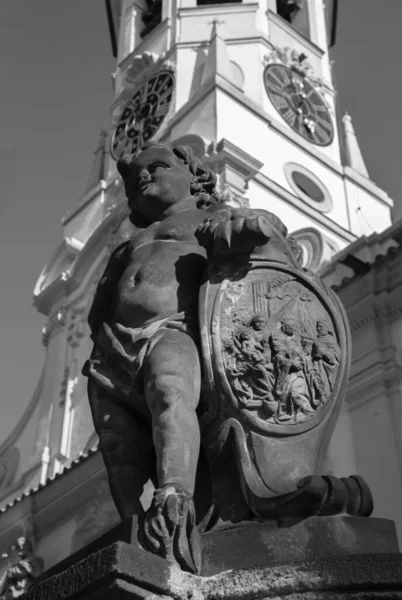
(144, 175)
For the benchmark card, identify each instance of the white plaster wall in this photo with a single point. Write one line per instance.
(367, 213)
(186, 66)
(274, 150)
(201, 121)
(249, 57)
(237, 22)
(376, 457)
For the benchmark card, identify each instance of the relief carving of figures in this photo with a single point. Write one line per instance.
(24, 569)
(284, 361)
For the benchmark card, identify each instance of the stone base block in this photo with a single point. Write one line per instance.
(321, 558)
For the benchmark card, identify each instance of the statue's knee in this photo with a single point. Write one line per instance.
(165, 390)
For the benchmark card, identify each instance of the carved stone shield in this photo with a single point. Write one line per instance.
(275, 349)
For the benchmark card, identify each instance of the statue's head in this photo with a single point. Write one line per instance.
(307, 344)
(157, 177)
(258, 322)
(289, 326)
(323, 328)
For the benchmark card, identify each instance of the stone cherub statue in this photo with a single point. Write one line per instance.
(152, 399)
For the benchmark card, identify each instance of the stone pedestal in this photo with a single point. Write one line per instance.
(320, 557)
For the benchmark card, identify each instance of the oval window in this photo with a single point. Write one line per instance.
(308, 187)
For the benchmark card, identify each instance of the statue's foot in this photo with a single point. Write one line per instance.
(327, 495)
(318, 495)
(169, 530)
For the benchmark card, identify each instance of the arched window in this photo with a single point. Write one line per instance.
(295, 12)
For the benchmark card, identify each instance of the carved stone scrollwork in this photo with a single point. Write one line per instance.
(23, 570)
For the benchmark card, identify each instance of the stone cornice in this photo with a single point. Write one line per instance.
(378, 380)
(376, 294)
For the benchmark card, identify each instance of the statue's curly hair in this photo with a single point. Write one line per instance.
(204, 186)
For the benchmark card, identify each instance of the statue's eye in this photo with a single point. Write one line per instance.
(158, 165)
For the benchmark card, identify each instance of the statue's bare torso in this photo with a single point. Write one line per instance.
(161, 270)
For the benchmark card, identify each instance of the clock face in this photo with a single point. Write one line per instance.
(143, 114)
(299, 103)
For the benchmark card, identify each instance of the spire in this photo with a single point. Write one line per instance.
(98, 169)
(354, 156)
(217, 60)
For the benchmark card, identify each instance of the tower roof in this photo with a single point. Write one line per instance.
(354, 156)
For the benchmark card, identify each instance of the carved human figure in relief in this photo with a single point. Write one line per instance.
(326, 354)
(291, 386)
(144, 372)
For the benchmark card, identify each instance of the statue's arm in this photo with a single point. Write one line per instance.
(104, 294)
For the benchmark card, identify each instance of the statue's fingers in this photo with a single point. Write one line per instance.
(253, 225)
(238, 224)
(205, 225)
(223, 234)
(212, 225)
(264, 226)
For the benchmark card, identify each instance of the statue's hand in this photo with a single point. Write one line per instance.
(234, 229)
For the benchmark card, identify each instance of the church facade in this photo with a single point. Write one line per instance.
(248, 85)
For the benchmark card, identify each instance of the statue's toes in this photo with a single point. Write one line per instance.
(360, 499)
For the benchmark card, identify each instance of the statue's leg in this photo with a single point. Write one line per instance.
(172, 389)
(126, 445)
(172, 381)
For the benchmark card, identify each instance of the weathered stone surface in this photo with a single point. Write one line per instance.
(328, 557)
(119, 570)
(253, 544)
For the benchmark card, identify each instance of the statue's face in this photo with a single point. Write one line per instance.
(157, 180)
(321, 328)
(258, 323)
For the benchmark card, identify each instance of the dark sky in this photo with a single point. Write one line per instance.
(55, 71)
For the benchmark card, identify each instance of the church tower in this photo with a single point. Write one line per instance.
(251, 83)
(248, 84)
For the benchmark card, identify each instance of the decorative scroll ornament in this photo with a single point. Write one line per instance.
(23, 570)
(144, 65)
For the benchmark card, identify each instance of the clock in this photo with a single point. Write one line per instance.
(299, 103)
(143, 114)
